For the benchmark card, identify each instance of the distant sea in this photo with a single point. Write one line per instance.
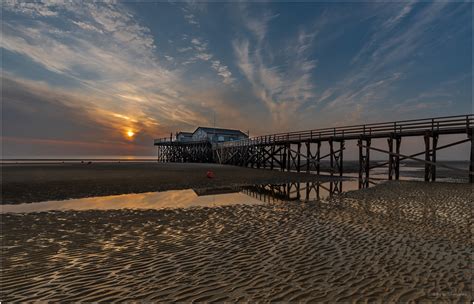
(74, 158)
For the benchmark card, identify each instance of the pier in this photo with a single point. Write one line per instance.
(302, 150)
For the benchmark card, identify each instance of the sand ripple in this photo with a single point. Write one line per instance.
(385, 245)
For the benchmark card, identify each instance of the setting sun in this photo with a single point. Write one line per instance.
(130, 134)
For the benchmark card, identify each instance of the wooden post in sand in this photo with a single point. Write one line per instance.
(394, 158)
(398, 141)
(434, 146)
(390, 157)
(431, 142)
(471, 164)
(341, 157)
(361, 160)
(318, 159)
(427, 157)
(364, 162)
(331, 158)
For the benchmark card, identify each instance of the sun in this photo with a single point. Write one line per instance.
(130, 133)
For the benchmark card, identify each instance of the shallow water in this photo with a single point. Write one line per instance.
(255, 194)
(213, 197)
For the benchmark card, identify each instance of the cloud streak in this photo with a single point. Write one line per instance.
(281, 89)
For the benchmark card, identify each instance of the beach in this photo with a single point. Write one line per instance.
(237, 152)
(395, 242)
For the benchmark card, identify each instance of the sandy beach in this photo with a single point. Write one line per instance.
(396, 242)
(41, 182)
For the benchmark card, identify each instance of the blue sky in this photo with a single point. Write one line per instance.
(78, 76)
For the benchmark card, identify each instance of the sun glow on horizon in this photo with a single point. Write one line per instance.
(130, 134)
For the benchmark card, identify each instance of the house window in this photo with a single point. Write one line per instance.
(221, 138)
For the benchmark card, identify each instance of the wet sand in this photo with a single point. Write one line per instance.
(42, 182)
(396, 242)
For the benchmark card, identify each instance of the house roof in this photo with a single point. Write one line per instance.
(221, 131)
(185, 133)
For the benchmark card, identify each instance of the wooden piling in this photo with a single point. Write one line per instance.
(471, 164)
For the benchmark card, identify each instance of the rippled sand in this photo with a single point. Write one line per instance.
(397, 242)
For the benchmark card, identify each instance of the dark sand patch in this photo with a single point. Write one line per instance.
(44, 182)
(349, 249)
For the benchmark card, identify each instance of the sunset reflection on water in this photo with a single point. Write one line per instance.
(152, 200)
(212, 197)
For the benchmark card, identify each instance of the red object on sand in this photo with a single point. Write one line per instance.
(210, 174)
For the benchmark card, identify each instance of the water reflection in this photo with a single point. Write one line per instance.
(308, 191)
(256, 194)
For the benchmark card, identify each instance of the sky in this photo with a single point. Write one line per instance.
(85, 78)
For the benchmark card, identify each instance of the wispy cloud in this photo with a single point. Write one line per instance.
(403, 12)
(281, 89)
(32, 9)
(385, 60)
(190, 11)
(223, 71)
(203, 53)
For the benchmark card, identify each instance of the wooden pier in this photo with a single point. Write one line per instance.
(302, 150)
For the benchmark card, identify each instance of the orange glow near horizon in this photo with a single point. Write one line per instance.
(130, 134)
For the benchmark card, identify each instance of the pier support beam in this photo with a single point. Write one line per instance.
(313, 161)
(272, 156)
(264, 156)
(308, 156)
(431, 143)
(298, 165)
(293, 156)
(340, 158)
(283, 160)
(394, 158)
(336, 157)
(318, 158)
(364, 162)
(259, 155)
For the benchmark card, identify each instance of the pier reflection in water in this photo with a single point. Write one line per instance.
(296, 191)
(254, 194)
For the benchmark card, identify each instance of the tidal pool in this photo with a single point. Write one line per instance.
(255, 194)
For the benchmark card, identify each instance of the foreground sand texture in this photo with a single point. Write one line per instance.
(44, 182)
(394, 242)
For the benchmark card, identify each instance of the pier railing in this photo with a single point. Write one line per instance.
(162, 140)
(172, 141)
(442, 125)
